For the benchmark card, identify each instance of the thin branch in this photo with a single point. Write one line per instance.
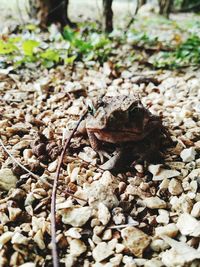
(53, 196)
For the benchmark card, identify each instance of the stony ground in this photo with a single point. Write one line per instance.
(146, 217)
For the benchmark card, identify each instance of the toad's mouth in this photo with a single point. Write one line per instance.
(120, 136)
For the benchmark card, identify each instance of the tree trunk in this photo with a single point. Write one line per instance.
(165, 7)
(140, 3)
(107, 15)
(51, 11)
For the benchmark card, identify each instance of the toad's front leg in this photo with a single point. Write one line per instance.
(96, 145)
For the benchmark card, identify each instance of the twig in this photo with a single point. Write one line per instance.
(22, 166)
(73, 196)
(123, 225)
(53, 196)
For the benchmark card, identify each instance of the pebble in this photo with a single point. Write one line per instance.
(5, 237)
(135, 240)
(77, 247)
(188, 154)
(154, 203)
(188, 225)
(18, 238)
(180, 254)
(170, 230)
(7, 179)
(196, 210)
(104, 250)
(76, 216)
(163, 216)
(118, 217)
(28, 264)
(103, 214)
(175, 188)
(102, 191)
(160, 174)
(52, 166)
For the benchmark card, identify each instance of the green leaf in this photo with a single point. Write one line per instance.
(29, 46)
(7, 48)
(50, 55)
(70, 60)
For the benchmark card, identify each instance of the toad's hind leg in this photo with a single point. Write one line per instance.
(96, 145)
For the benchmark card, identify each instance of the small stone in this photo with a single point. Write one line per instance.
(163, 216)
(196, 210)
(116, 260)
(74, 232)
(107, 235)
(52, 166)
(103, 214)
(14, 213)
(155, 203)
(170, 230)
(28, 264)
(188, 154)
(160, 174)
(180, 254)
(118, 217)
(103, 250)
(76, 216)
(102, 191)
(135, 240)
(21, 145)
(158, 245)
(175, 187)
(5, 237)
(38, 238)
(154, 263)
(18, 238)
(119, 248)
(188, 225)
(7, 179)
(77, 247)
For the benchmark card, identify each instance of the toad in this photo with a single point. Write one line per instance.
(122, 122)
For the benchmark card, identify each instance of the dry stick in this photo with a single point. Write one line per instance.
(53, 196)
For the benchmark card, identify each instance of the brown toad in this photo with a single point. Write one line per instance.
(122, 121)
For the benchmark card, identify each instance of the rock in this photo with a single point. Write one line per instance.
(28, 264)
(102, 191)
(103, 214)
(5, 237)
(103, 250)
(155, 203)
(180, 254)
(77, 247)
(188, 225)
(160, 174)
(21, 145)
(134, 240)
(118, 217)
(7, 179)
(14, 213)
(175, 187)
(163, 216)
(52, 166)
(196, 210)
(39, 240)
(170, 230)
(154, 263)
(18, 238)
(158, 245)
(188, 154)
(74, 232)
(76, 216)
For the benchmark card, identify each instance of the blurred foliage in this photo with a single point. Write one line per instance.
(155, 40)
